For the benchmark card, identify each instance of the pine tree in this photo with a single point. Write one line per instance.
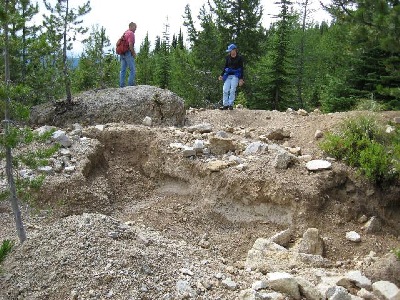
(375, 29)
(162, 59)
(281, 66)
(20, 36)
(144, 63)
(8, 132)
(189, 24)
(63, 25)
(96, 68)
(239, 21)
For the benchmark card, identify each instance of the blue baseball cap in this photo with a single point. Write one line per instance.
(231, 47)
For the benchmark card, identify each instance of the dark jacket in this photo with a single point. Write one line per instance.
(233, 66)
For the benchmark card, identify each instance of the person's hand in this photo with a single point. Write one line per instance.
(220, 77)
(241, 82)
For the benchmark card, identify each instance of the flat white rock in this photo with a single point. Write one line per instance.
(318, 164)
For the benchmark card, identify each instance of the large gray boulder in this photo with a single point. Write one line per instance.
(130, 105)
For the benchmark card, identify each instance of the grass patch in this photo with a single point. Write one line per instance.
(5, 248)
(397, 253)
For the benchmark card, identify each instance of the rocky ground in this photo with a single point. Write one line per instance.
(130, 212)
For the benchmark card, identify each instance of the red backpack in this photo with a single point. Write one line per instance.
(122, 45)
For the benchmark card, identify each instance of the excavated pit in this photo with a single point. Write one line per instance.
(134, 175)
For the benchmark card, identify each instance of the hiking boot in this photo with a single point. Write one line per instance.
(223, 107)
(230, 107)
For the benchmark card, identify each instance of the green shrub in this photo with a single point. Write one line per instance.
(334, 145)
(39, 157)
(363, 143)
(375, 163)
(369, 104)
(241, 99)
(5, 248)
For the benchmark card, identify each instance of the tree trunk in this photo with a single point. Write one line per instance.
(301, 63)
(13, 193)
(9, 169)
(65, 64)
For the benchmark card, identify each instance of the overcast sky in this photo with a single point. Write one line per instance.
(151, 16)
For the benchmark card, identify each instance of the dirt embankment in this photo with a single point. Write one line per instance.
(132, 174)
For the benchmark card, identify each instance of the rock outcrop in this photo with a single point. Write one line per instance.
(130, 105)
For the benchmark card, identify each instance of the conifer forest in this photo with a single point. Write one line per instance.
(352, 62)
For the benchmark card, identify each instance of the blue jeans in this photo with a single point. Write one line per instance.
(127, 61)
(229, 90)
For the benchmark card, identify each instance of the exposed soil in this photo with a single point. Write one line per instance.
(134, 176)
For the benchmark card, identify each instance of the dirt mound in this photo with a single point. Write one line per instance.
(140, 220)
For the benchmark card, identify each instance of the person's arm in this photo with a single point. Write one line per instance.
(132, 49)
(223, 70)
(131, 42)
(241, 80)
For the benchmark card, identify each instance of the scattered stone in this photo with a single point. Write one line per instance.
(313, 260)
(256, 148)
(302, 112)
(318, 134)
(221, 134)
(70, 169)
(354, 279)
(374, 225)
(290, 110)
(282, 238)
(44, 129)
(257, 256)
(284, 160)
(46, 170)
(177, 145)
(184, 289)
(311, 242)
(364, 294)
(235, 160)
(385, 268)
(189, 151)
(318, 164)
(305, 158)
(229, 284)
(147, 121)
(99, 127)
(61, 137)
(362, 219)
(337, 293)
(248, 294)
(308, 290)
(185, 271)
(389, 129)
(386, 290)
(284, 283)
(217, 165)
(353, 236)
(259, 285)
(278, 134)
(220, 146)
(201, 128)
(317, 111)
(294, 150)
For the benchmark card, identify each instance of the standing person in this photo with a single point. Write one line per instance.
(232, 75)
(128, 58)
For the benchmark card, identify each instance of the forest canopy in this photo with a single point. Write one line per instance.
(351, 62)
